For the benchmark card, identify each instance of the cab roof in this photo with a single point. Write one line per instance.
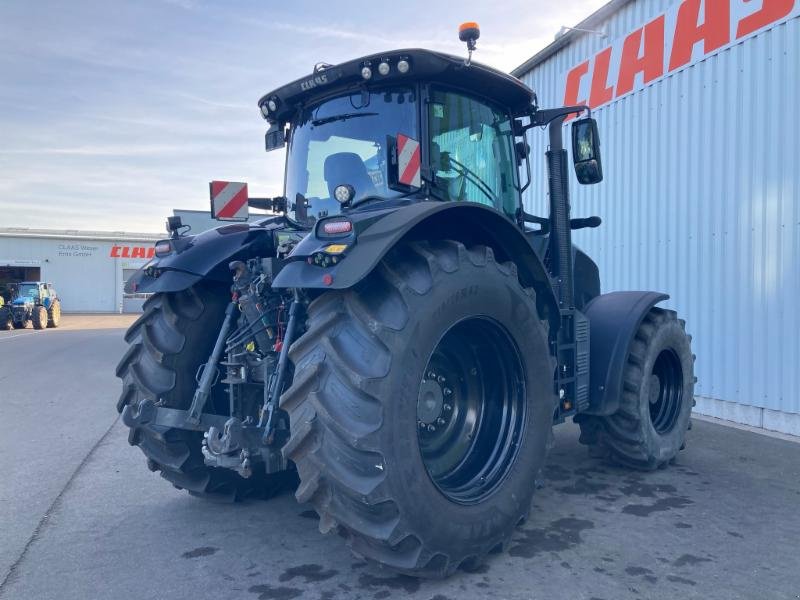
(425, 65)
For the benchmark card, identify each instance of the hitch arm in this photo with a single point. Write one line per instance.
(272, 392)
(210, 370)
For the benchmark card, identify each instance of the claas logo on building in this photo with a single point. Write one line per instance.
(685, 33)
(132, 251)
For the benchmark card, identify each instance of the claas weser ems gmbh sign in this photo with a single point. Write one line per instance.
(686, 33)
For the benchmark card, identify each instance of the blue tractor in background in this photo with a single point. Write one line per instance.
(35, 302)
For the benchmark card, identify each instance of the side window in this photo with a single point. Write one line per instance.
(472, 150)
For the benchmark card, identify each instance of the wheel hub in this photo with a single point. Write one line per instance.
(430, 402)
(655, 388)
(470, 409)
(666, 391)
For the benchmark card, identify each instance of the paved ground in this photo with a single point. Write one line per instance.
(81, 517)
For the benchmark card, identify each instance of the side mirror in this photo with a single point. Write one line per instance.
(275, 138)
(586, 151)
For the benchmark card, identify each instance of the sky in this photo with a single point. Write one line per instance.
(113, 113)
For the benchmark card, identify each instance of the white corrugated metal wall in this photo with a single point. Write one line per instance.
(701, 199)
(85, 270)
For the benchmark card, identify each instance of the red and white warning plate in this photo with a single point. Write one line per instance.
(229, 201)
(408, 161)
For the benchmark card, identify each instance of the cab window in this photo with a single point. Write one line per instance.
(471, 147)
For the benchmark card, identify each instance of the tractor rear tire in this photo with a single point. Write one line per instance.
(412, 484)
(55, 315)
(6, 319)
(168, 343)
(649, 429)
(39, 317)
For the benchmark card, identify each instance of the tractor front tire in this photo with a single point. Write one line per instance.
(6, 319)
(39, 317)
(168, 343)
(649, 429)
(55, 314)
(422, 407)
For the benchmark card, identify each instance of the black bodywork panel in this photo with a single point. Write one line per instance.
(587, 278)
(376, 232)
(206, 256)
(614, 320)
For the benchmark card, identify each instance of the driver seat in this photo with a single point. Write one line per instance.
(347, 167)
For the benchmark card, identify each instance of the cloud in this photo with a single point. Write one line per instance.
(114, 113)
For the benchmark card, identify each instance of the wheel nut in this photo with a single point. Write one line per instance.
(447, 407)
(421, 424)
(431, 428)
(440, 421)
(440, 379)
(431, 375)
(447, 391)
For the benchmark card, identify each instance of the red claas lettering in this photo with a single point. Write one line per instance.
(714, 32)
(601, 91)
(650, 62)
(710, 24)
(770, 11)
(133, 252)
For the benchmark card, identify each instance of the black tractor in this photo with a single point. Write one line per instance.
(400, 337)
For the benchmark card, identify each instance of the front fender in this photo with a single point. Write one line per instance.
(614, 319)
(201, 257)
(467, 222)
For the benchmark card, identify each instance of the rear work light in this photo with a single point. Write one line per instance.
(337, 227)
(163, 248)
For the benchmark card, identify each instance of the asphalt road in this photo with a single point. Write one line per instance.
(81, 517)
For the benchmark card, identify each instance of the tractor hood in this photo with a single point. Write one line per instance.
(279, 105)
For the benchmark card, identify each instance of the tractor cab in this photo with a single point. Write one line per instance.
(406, 126)
(398, 127)
(27, 293)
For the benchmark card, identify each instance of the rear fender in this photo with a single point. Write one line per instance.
(614, 319)
(201, 257)
(469, 223)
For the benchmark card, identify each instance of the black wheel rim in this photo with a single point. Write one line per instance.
(471, 410)
(666, 391)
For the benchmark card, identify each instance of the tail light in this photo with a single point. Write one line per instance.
(333, 227)
(163, 248)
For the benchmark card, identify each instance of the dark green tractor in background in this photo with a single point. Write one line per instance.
(402, 338)
(35, 303)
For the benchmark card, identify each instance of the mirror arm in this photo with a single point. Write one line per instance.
(527, 168)
(277, 204)
(542, 117)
